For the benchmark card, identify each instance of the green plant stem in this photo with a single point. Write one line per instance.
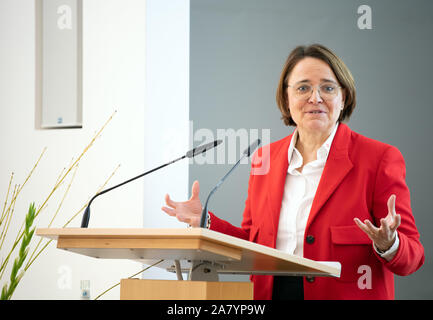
(15, 278)
(13, 200)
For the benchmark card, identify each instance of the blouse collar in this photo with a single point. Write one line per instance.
(294, 156)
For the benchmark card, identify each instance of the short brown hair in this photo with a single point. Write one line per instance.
(340, 70)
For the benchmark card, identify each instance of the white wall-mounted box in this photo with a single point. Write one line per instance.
(59, 64)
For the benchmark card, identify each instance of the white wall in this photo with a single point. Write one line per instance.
(114, 78)
(166, 121)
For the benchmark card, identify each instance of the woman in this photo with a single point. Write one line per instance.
(331, 194)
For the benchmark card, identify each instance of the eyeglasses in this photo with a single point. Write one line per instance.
(327, 91)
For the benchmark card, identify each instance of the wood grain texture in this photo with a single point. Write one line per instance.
(136, 289)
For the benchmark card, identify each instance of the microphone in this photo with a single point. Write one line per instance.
(246, 153)
(190, 154)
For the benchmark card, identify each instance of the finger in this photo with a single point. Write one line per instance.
(397, 222)
(183, 218)
(362, 226)
(195, 190)
(370, 226)
(384, 227)
(359, 223)
(169, 211)
(170, 202)
(391, 205)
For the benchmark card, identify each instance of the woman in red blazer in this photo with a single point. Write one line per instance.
(359, 214)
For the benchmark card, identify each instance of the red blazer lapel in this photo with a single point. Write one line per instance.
(337, 167)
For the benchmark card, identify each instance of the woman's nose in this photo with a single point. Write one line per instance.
(315, 97)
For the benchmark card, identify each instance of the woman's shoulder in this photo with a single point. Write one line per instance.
(275, 146)
(365, 141)
(370, 147)
(281, 143)
(272, 152)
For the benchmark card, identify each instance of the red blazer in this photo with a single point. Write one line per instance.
(359, 177)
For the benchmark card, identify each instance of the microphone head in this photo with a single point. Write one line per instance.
(253, 146)
(203, 148)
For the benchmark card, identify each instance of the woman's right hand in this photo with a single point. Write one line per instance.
(187, 211)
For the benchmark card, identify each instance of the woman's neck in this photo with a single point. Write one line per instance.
(309, 142)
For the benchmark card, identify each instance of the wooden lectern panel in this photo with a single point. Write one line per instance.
(136, 289)
(229, 254)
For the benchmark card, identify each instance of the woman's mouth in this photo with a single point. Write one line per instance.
(315, 112)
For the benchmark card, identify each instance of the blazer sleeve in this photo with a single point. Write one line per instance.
(390, 180)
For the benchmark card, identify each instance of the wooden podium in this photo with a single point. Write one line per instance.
(202, 253)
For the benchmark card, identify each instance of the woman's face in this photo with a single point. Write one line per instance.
(318, 110)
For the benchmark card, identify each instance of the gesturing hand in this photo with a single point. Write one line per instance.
(384, 236)
(187, 211)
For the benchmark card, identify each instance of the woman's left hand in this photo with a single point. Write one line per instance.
(384, 236)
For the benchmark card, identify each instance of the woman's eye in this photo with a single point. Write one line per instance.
(303, 88)
(328, 88)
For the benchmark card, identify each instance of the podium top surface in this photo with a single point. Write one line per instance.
(229, 254)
